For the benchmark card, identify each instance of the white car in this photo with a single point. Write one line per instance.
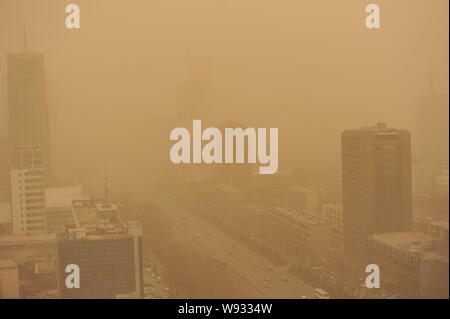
(321, 294)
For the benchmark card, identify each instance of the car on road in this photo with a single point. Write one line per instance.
(255, 265)
(321, 294)
(269, 268)
(284, 278)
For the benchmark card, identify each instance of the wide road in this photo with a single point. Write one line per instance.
(263, 278)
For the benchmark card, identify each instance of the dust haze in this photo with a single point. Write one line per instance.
(310, 68)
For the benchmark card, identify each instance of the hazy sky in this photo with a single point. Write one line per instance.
(309, 67)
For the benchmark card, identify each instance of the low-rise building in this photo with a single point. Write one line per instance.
(296, 235)
(409, 264)
(303, 199)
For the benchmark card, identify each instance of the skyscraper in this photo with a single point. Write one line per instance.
(27, 105)
(431, 124)
(430, 148)
(376, 166)
(108, 252)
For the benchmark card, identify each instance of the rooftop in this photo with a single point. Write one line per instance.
(95, 219)
(410, 241)
(379, 129)
(9, 240)
(402, 240)
(303, 218)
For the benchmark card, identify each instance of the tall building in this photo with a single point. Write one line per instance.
(431, 126)
(430, 147)
(28, 122)
(27, 190)
(107, 251)
(376, 166)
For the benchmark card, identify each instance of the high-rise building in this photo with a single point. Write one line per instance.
(430, 147)
(376, 166)
(431, 129)
(27, 190)
(107, 251)
(28, 122)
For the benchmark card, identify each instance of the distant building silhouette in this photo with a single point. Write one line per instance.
(28, 122)
(430, 139)
(376, 165)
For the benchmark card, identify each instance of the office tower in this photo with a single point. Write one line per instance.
(107, 251)
(376, 166)
(431, 126)
(430, 147)
(27, 190)
(27, 105)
